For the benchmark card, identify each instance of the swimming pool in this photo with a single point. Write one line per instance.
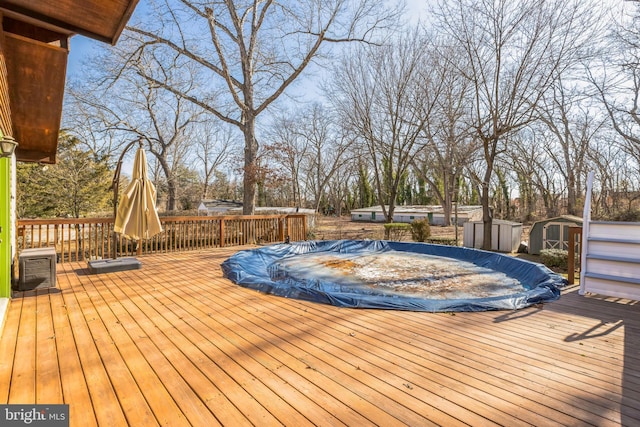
(394, 275)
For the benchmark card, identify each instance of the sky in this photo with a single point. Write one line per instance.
(82, 47)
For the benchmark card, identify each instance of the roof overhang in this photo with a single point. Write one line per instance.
(102, 20)
(35, 48)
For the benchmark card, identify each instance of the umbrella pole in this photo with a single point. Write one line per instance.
(116, 180)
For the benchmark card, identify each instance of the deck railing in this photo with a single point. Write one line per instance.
(93, 238)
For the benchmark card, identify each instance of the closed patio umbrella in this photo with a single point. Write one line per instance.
(137, 217)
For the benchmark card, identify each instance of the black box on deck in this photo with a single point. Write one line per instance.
(113, 265)
(37, 268)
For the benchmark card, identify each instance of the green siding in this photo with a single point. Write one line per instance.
(5, 224)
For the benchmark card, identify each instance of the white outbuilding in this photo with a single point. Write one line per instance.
(408, 214)
(506, 236)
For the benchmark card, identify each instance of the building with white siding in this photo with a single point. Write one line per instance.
(408, 214)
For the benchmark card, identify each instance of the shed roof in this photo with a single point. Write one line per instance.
(267, 210)
(566, 218)
(219, 203)
(417, 209)
(498, 222)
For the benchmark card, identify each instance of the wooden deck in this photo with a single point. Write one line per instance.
(177, 344)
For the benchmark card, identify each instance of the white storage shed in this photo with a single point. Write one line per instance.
(505, 235)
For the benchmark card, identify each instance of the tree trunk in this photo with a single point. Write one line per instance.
(571, 196)
(389, 220)
(171, 195)
(250, 165)
(487, 217)
(446, 209)
(171, 182)
(449, 181)
(205, 187)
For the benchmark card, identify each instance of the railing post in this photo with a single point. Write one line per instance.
(304, 227)
(222, 232)
(281, 228)
(571, 261)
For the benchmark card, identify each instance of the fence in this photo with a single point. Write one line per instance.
(93, 238)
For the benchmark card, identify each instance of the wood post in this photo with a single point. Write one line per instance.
(281, 229)
(571, 261)
(222, 233)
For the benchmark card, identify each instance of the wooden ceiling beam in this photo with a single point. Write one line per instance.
(52, 23)
(34, 32)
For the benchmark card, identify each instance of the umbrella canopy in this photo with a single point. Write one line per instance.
(137, 217)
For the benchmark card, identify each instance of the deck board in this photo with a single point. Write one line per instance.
(175, 343)
(105, 406)
(24, 372)
(72, 376)
(8, 342)
(48, 385)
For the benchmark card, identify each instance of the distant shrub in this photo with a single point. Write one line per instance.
(439, 240)
(554, 258)
(396, 230)
(627, 216)
(420, 230)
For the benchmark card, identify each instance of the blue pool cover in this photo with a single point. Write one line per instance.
(288, 270)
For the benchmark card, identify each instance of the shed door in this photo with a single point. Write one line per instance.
(555, 235)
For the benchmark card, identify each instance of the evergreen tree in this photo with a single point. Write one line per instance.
(78, 185)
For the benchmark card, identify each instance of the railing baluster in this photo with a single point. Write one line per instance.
(102, 240)
(78, 237)
(69, 241)
(61, 242)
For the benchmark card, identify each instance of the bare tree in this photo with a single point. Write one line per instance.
(329, 145)
(309, 147)
(215, 145)
(513, 51)
(570, 119)
(617, 80)
(170, 148)
(607, 160)
(285, 151)
(538, 175)
(117, 104)
(251, 53)
(386, 96)
(449, 146)
(340, 192)
(89, 124)
(524, 156)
